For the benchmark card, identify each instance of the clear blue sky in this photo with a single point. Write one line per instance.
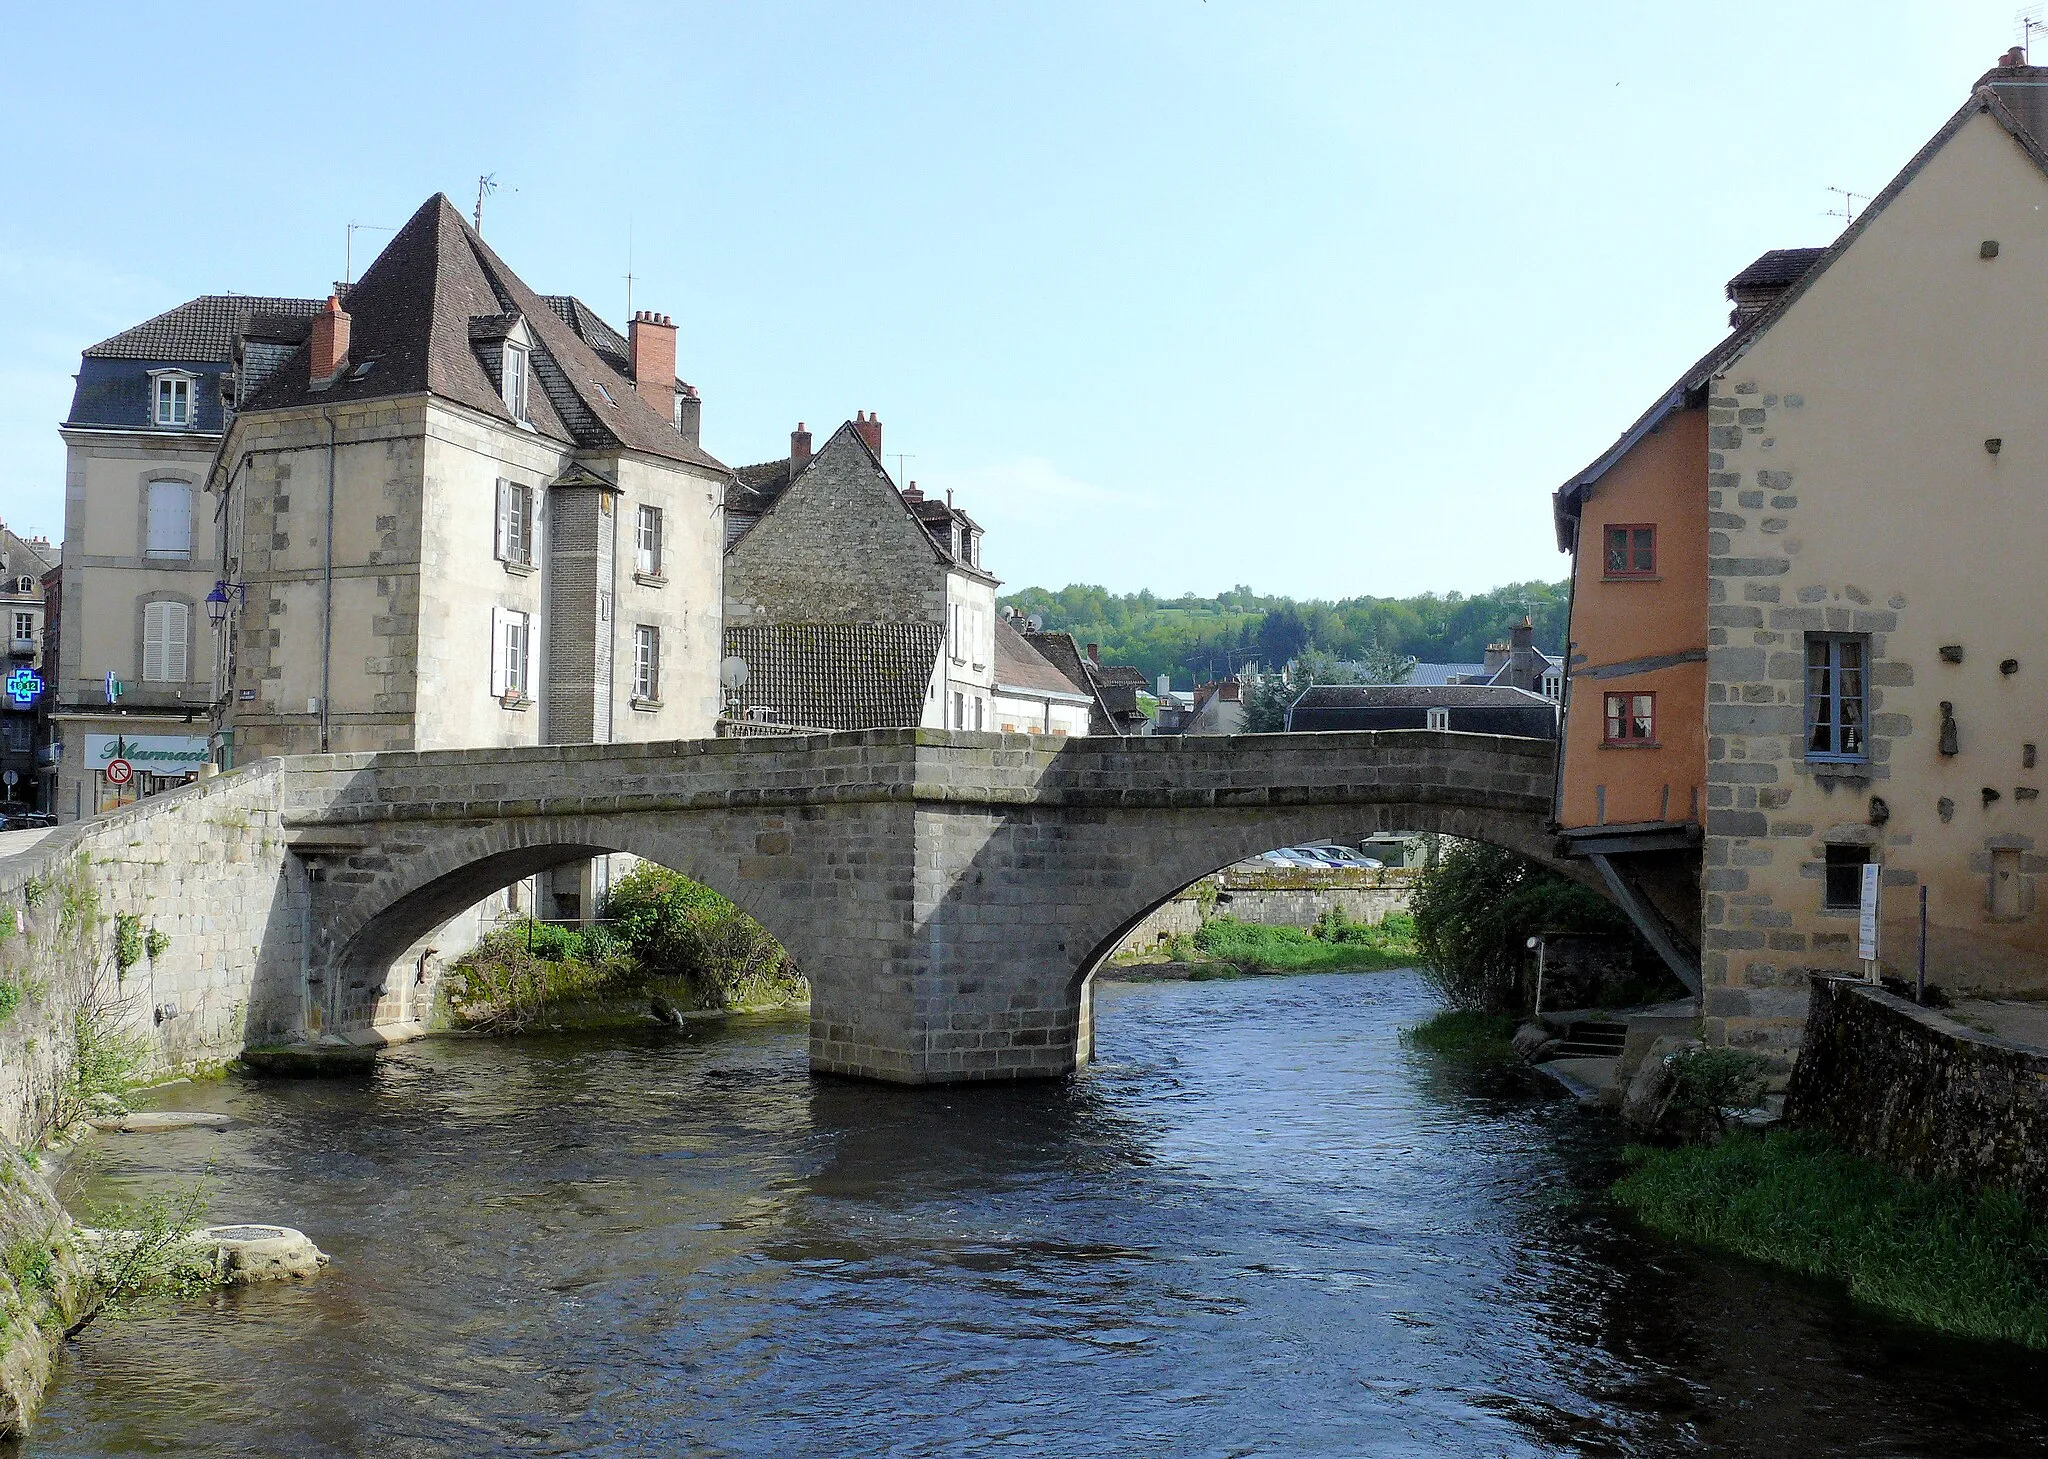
(1323, 298)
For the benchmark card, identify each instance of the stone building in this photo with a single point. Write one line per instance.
(24, 672)
(826, 538)
(457, 513)
(136, 668)
(1834, 623)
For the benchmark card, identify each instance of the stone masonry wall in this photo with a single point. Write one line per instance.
(838, 547)
(1922, 1093)
(206, 867)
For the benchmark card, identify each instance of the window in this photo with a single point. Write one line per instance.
(647, 542)
(513, 372)
(1835, 697)
(173, 400)
(165, 627)
(24, 626)
(646, 662)
(1842, 890)
(959, 710)
(1631, 551)
(1631, 719)
(953, 645)
(977, 712)
(1437, 718)
(515, 524)
(170, 520)
(511, 653)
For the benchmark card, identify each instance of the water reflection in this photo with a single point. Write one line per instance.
(1256, 1226)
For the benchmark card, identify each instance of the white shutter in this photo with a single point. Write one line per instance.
(504, 537)
(170, 519)
(498, 635)
(153, 643)
(177, 635)
(531, 640)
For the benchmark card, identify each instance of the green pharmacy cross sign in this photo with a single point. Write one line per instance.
(24, 687)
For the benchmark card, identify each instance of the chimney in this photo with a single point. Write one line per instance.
(651, 344)
(1523, 639)
(912, 494)
(329, 345)
(1095, 654)
(870, 428)
(1496, 655)
(799, 450)
(2023, 89)
(690, 413)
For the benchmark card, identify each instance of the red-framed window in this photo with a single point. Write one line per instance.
(1631, 719)
(1631, 550)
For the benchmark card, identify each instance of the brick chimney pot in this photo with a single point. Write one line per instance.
(870, 428)
(651, 344)
(799, 449)
(329, 355)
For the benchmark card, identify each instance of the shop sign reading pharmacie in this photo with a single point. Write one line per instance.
(155, 754)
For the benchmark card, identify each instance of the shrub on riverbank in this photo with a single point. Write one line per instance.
(1334, 944)
(661, 934)
(1476, 907)
(1926, 1252)
(1466, 1032)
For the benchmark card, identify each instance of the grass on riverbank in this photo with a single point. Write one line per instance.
(1333, 945)
(1928, 1253)
(1466, 1032)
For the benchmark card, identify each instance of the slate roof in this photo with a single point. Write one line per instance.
(1020, 666)
(1418, 696)
(410, 313)
(1421, 673)
(199, 329)
(1060, 651)
(839, 675)
(1775, 269)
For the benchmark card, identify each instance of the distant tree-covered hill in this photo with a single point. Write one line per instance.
(1195, 638)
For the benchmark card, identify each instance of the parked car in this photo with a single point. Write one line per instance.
(1293, 858)
(1340, 856)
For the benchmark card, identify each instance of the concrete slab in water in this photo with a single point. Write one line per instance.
(149, 1121)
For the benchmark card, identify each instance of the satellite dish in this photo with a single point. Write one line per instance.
(732, 674)
(1037, 623)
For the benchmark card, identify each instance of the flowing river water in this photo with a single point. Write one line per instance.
(1258, 1225)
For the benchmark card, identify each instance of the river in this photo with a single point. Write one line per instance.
(1258, 1225)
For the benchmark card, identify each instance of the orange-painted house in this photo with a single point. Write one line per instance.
(1632, 776)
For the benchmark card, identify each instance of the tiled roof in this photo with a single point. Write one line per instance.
(1417, 696)
(1058, 650)
(1020, 666)
(199, 329)
(839, 675)
(410, 313)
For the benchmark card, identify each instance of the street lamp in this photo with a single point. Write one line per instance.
(218, 601)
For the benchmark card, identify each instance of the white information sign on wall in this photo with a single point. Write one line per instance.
(1866, 917)
(155, 754)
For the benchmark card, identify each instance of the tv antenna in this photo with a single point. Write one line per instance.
(348, 250)
(629, 268)
(2029, 20)
(901, 457)
(1847, 212)
(485, 186)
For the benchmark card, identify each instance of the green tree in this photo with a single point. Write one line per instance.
(1476, 907)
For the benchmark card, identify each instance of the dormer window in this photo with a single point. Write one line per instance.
(171, 398)
(513, 372)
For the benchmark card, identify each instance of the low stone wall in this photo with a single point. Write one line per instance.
(1283, 897)
(1922, 1093)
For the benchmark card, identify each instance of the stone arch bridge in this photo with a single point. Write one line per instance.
(948, 894)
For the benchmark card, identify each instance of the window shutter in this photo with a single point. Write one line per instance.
(504, 528)
(531, 640)
(170, 519)
(153, 643)
(498, 637)
(657, 540)
(177, 618)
